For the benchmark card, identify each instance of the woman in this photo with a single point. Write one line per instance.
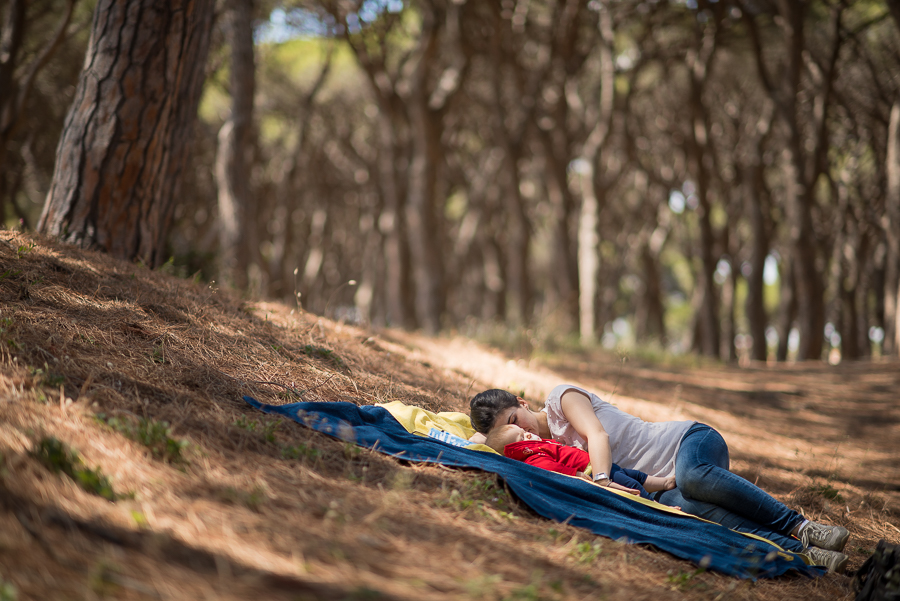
(692, 452)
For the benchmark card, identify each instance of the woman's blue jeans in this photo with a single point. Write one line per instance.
(707, 489)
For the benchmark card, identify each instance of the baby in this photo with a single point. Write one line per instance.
(516, 443)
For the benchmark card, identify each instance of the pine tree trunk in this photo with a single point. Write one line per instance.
(233, 160)
(892, 229)
(119, 160)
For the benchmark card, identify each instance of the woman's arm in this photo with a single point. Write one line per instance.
(579, 412)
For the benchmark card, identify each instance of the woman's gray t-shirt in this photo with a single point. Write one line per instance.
(635, 444)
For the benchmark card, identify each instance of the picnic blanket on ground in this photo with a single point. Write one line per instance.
(556, 496)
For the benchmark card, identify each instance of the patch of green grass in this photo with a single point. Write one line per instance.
(265, 428)
(57, 457)
(483, 587)
(684, 580)
(477, 494)
(8, 591)
(586, 552)
(102, 579)
(320, 352)
(44, 377)
(10, 273)
(300, 451)
(534, 591)
(24, 249)
(153, 434)
(6, 329)
(159, 354)
(252, 499)
(827, 491)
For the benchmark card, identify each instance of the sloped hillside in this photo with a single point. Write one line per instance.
(132, 469)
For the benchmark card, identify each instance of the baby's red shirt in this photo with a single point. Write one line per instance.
(550, 455)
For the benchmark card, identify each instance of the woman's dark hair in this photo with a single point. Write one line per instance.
(483, 409)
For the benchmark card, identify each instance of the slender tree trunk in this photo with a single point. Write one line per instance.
(234, 153)
(314, 258)
(588, 256)
(700, 61)
(649, 314)
(565, 264)
(392, 224)
(591, 193)
(892, 232)
(421, 210)
(124, 144)
(518, 235)
(755, 304)
(788, 309)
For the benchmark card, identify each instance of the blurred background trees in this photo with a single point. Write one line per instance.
(720, 177)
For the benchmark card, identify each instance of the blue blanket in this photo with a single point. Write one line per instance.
(554, 496)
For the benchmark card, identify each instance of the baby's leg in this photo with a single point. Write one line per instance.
(656, 483)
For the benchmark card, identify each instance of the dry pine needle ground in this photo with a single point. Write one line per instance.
(140, 374)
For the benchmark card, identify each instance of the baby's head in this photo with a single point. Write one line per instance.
(506, 434)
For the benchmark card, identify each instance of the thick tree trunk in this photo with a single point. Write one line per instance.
(120, 157)
(234, 154)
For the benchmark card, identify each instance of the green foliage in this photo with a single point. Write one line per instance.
(477, 494)
(44, 377)
(57, 457)
(24, 249)
(159, 353)
(320, 352)
(8, 591)
(300, 451)
(252, 499)
(266, 429)
(155, 435)
(533, 591)
(483, 587)
(10, 273)
(102, 579)
(827, 491)
(684, 580)
(586, 552)
(352, 451)
(6, 330)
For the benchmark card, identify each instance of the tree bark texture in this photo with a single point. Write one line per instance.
(119, 160)
(699, 64)
(233, 158)
(16, 83)
(892, 230)
(591, 196)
